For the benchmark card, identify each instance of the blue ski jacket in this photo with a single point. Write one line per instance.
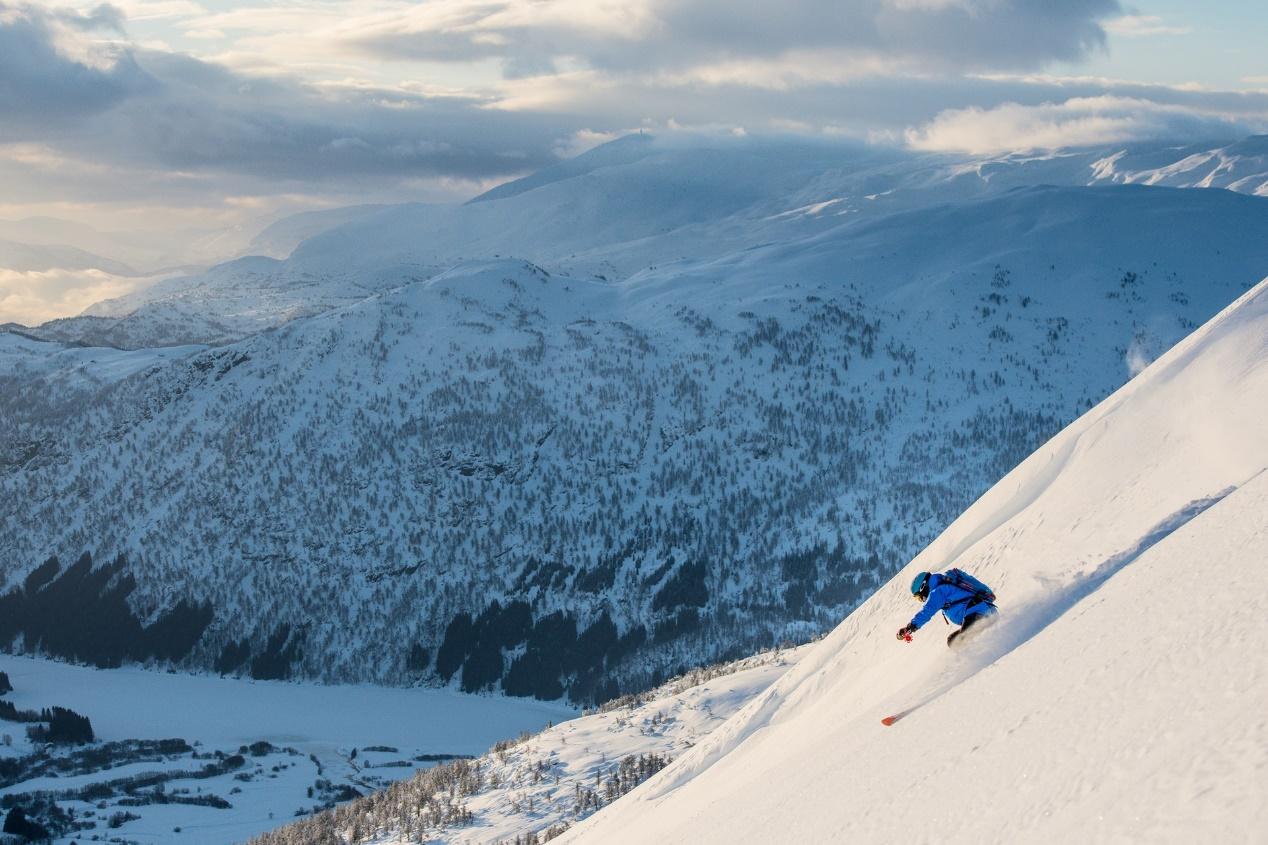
(955, 604)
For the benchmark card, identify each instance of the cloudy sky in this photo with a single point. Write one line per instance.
(142, 113)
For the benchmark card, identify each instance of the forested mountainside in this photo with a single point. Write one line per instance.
(499, 475)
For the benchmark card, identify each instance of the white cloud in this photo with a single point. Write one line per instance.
(32, 298)
(1142, 26)
(159, 9)
(340, 144)
(582, 141)
(1076, 122)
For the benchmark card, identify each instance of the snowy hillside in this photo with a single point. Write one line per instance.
(1121, 697)
(501, 477)
(132, 267)
(540, 784)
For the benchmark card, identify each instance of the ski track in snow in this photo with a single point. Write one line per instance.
(1022, 623)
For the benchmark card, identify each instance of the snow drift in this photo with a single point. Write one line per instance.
(1121, 696)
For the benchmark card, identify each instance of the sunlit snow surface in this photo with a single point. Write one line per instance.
(1121, 699)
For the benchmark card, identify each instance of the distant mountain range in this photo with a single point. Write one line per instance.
(618, 210)
(660, 405)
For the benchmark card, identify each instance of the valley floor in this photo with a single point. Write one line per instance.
(304, 733)
(257, 755)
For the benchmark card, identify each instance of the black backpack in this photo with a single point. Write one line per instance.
(962, 580)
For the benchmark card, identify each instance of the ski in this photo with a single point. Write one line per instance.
(889, 720)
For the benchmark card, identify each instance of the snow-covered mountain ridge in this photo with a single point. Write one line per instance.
(1118, 700)
(634, 203)
(500, 475)
(834, 180)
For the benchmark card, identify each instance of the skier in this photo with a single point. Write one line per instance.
(963, 600)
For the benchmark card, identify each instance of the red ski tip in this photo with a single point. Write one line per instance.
(889, 720)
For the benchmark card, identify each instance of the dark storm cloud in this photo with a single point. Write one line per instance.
(145, 109)
(209, 119)
(674, 35)
(39, 85)
(146, 122)
(973, 35)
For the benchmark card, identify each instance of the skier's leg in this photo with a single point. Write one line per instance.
(969, 621)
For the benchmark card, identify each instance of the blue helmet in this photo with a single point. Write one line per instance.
(920, 586)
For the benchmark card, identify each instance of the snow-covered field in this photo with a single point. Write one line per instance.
(1120, 699)
(313, 732)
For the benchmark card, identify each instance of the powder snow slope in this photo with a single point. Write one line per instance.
(1121, 697)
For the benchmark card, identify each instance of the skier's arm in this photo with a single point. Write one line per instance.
(936, 601)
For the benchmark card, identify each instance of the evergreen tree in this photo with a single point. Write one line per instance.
(18, 824)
